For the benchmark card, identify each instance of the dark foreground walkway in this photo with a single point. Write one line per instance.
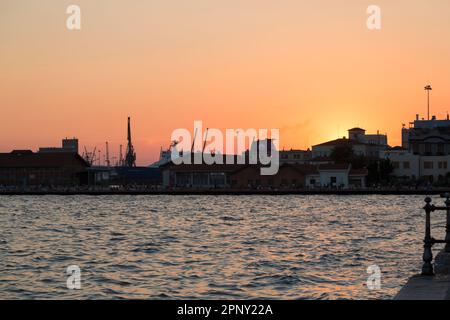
(426, 288)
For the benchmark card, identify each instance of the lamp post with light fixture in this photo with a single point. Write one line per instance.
(428, 89)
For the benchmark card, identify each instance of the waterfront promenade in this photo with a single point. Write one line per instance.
(429, 287)
(434, 281)
(426, 288)
(225, 192)
(219, 191)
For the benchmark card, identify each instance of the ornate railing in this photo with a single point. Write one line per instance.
(429, 241)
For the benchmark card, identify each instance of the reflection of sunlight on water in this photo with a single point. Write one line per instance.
(141, 247)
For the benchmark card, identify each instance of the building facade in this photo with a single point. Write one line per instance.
(337, 176)
(289, 176)
(67, 145)
(408, 165)
(197, 176)
(26, 168)
(427, 137)
(425, 151)
(295, 156)
(367, 145)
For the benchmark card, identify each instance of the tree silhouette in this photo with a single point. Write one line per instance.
(342, 154)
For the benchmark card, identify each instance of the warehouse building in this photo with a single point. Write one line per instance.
(25, 168)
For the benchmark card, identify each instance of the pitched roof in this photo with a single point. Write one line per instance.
(337, 166)
(294, 150)
(396, 148)
(322, 159)
(340, 142)
(356, 129)
(358, 172)
(29, 159)
(304, 169)
(203, 167)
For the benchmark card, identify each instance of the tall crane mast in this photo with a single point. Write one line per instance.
(130, 157)
(108, 163)
(120, 156)
(89, 156)
(204, 143)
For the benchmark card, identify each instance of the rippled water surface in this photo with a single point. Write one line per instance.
(209, 247)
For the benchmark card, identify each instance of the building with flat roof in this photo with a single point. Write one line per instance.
(427, 137)
(425, 151)
(249, 177)
(200, 176)
(25, 168)
(67, 145)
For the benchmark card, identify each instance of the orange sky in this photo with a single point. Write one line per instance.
(310, 68)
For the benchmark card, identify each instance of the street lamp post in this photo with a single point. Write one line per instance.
(428, 89)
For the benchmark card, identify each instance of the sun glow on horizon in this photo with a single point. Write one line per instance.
(312, 70)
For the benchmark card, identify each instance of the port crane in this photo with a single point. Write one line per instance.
(89, 157)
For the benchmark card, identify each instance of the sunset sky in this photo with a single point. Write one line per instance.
(310, 68)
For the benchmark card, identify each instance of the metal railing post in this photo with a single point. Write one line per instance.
(427, 268)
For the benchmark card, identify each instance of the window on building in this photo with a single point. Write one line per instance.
(440, 148)
(312, 181)
(200, 179)
(396, 164)
(442, 164)
(428, 149)
(406, 165)
(428, 165)
(217, 179)
(333, 180)
(355, 182)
